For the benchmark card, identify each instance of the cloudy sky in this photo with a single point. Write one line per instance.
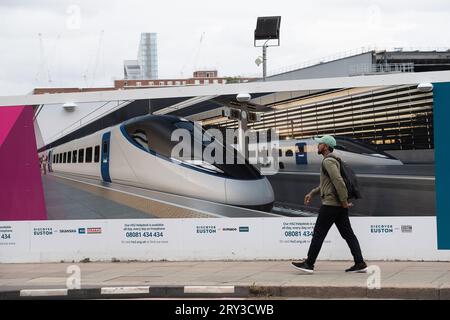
(84, 42)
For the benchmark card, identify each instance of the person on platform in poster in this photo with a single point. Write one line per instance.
(44, 163)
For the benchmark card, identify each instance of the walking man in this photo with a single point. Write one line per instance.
(334, 209)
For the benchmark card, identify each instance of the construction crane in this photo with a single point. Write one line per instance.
(95, 63)
(195, 58)
(97, 56)
(42, 69)
(44, 65)
(198, 50)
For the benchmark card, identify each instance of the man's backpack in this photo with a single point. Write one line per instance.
(350, 180)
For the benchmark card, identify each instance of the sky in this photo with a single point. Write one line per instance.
(60, 43)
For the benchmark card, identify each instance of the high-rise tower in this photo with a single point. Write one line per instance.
(148, 56)
(146, 66)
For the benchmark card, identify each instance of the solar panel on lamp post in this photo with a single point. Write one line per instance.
(267, 28)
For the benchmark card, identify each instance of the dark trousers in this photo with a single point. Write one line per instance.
(327, 216)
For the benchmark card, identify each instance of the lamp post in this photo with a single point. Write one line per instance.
(267, 28)
(264, 48)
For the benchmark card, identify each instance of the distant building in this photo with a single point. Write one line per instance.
(199, 78)
(132, 69)
(393, 118)
(356, 63)
(203, 77)
(148, 56)
(70, 90)
(146, 66)
(206, 74)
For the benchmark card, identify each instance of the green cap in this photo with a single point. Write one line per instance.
(328, 140)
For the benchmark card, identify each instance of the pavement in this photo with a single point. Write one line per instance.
(223, 279)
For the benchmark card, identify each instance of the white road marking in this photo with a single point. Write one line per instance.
(209, 289)
(43, 292)
(125, 290)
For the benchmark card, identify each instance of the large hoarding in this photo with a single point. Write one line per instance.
(106, 190)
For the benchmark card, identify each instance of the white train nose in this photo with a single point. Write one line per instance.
(249, 192)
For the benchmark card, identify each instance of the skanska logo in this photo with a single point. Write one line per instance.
(67, 231)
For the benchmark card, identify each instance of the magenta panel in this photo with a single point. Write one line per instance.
(21, 192)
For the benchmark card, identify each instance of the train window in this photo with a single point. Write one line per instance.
(97, 154)
(89, 155)
(74, 156)
(65, 157)
(289, 153)
(280, 152)
(301, 148)
(105, 148)
(159, 130)
(69, 157)
(54, 157)
(81, 156)
(140, 137)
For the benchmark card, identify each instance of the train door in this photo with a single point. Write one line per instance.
(105, 156)
(301, 155)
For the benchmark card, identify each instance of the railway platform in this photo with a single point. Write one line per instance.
(70, 197)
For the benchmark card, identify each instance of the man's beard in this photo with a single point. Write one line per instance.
(319, 152)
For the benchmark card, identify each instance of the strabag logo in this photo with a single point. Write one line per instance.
(206, 229)
(381, 228)
(94, 230)
(42, 231)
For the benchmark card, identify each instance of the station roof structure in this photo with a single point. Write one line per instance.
(188, 101)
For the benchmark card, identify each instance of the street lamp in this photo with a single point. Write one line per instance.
(267, 28)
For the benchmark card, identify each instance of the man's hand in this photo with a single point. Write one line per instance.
(347, 205)
(308, 199)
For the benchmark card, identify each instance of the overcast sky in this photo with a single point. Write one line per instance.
(84, 42)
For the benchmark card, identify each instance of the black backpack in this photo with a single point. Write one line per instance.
(349, 177)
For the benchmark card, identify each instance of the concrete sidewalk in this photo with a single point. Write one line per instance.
(233, 279)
